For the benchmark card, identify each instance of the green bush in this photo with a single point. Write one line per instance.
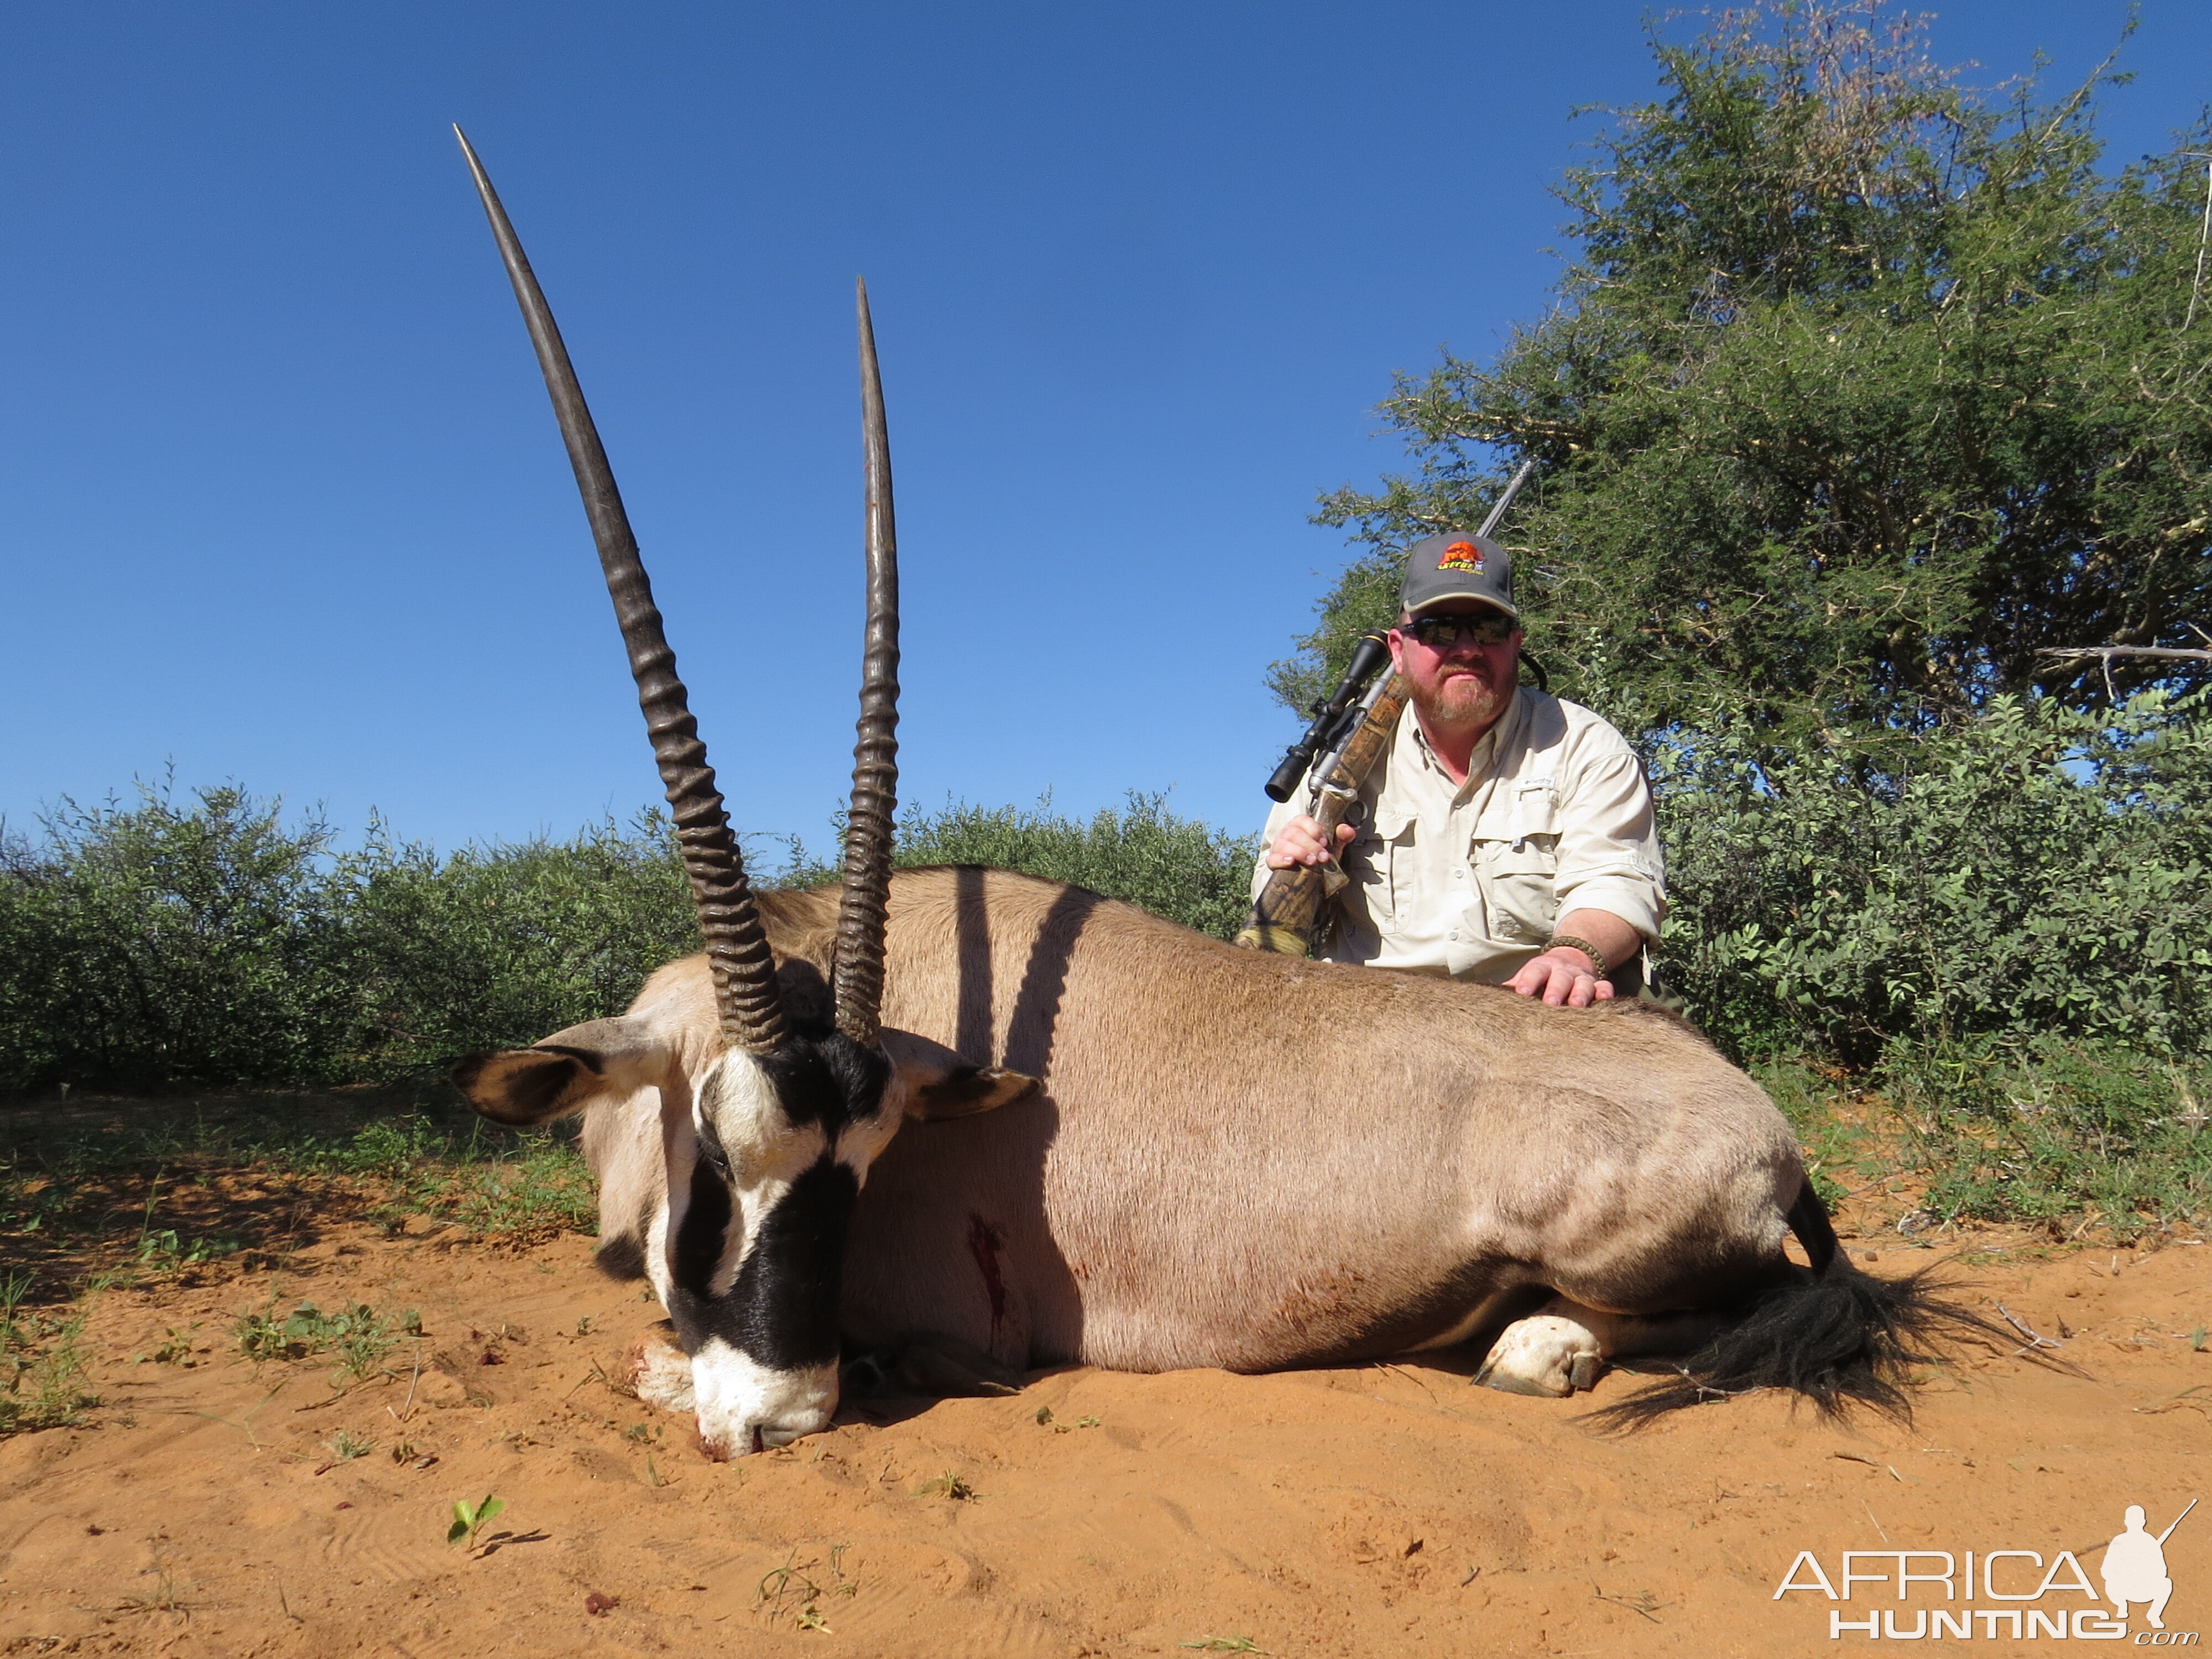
(1179, 868)
(162, 944)
(167, 945)
(2001, 928)
(2041, 1127)
(2036, 872)
(493, 947)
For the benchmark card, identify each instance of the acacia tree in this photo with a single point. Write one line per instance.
(1860, 391)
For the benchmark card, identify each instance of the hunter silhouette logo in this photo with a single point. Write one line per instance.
(2031, 1596)
(1461, 556)
(2135, 1566)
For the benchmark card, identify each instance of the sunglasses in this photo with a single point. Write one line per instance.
(1436, 633)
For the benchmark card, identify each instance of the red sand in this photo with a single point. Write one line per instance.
(1378, 1511)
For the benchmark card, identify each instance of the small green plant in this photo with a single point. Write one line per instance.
(345, 1445)
(792, 1590)
(362, 1348)
(176, 1347)
(147, 1238)
(1044, 1420)
(468, 1519)
(14, 1287)
(359, 1336)
(163, 1252)
(954, 1486)
(168, 1596)
(260, 1334)
(43, 1370)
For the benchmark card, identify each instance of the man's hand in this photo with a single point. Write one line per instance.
(1301, 841)
(1562, 976)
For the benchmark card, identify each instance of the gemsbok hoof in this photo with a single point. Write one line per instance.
(1544, 1355)
(657, 1370)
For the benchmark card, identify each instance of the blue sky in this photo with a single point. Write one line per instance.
(283, 503)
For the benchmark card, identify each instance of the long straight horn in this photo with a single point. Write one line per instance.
(736, 948)
(868, 825)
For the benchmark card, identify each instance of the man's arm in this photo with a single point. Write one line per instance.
(1611, 885)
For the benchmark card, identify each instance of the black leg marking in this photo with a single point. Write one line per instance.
(621, 1257)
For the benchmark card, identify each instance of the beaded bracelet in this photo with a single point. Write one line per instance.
(1583, 945)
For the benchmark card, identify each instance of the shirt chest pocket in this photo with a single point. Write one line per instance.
(1380, 862)
(1515, 852)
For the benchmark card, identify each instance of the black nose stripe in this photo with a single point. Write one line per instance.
(782, 1312)
(700, 1236)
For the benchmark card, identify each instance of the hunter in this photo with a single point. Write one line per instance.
(1505, 835)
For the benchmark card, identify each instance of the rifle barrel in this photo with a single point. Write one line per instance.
(1498, 512)
(2177, 1520)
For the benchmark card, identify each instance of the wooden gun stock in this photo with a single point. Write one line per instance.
(1287, 915)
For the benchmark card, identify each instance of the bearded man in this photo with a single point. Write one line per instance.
(1506, 835)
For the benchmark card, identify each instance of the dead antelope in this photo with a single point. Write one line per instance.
(1202, 1157)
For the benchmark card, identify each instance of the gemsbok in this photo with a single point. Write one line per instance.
(1134, 1145)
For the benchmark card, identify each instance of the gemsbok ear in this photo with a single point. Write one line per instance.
(525, 1087)
(972, 1089)
(936, 1082)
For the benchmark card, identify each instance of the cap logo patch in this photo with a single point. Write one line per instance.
(1461, 556)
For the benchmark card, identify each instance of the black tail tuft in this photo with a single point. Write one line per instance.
(1839, 1338)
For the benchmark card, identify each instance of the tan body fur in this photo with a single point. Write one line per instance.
(1243, 1160)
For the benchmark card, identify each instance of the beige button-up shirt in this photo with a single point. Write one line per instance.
(1469, 879)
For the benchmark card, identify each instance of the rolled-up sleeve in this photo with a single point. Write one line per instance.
(1609, 847)
(1609, 839)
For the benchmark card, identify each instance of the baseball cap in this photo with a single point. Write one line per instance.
(1458, 565)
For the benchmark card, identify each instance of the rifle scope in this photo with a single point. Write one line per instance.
(1369, 657)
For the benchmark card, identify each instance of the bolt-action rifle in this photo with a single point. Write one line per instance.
(1351, 729)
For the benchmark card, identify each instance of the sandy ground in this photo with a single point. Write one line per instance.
(1380, 1511)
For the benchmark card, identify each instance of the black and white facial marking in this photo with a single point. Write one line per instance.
(755, 1231)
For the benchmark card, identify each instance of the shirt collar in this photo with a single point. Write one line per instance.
(1480, 764)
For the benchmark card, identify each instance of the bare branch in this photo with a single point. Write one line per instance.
(2107, 652)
